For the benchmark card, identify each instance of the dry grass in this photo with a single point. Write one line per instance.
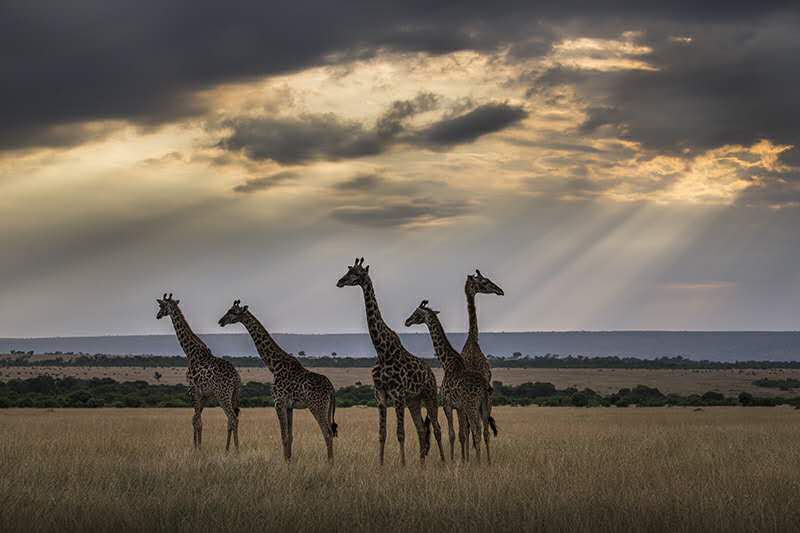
(722, 469)
(604, 381)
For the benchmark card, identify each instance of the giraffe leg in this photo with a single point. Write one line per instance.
(463, 438)
(290, 429)
(236, 412)
(280, 410)
(432, 408)
(381, 430)
(399, 411)
(233, 422)
(475, 427)
(197, 421)
(321, 416)
(415, 408)
(448, 414)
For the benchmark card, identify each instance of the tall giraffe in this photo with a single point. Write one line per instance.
(209, 377)
(398, 376)
(463, 389)
(473, 356)
(293, 385)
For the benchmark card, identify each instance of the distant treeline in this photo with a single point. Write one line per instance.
(545, 361)
(782, 384)
(49, 392)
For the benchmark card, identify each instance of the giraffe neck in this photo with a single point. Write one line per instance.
(472, 337)
(272, 354)
(450, 358)
(382, 335)
(192, 346)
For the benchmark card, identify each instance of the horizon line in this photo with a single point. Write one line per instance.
(511, 332)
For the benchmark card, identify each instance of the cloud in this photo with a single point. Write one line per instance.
(728, 85)
(391, 123)
(292, 141)
(327, 137)
(597, 117)
(401, 213)
(569, 188)
(467, 128)
(146, 62)
(361, 183)
(266, 182)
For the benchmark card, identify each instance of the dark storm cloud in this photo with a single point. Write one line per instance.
(732, 84)
(597, 117)
(298, 140)
(265, 182)
(143, 61)
(488, 118)
(390, 124)
(322, 136)
(327, 137)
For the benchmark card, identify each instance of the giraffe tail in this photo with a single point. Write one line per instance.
(334, 425)
(493, 425)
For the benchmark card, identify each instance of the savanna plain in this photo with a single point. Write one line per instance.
(554, 469)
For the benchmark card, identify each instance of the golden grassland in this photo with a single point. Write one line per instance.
(604, 381)
(555, 469)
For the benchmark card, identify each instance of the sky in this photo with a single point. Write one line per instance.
(610, 165)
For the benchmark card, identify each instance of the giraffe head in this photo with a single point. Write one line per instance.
(357, 274)
(234, 314)
(166, 306)
(421, 315)
(480, 284)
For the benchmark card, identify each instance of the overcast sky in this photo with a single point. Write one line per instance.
(611, 165)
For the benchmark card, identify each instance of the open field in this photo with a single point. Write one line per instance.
(560, 469)
(604, 381)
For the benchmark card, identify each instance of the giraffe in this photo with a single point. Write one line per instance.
(473, 356)
(293, 386)
(398, 376)
(464, 389)
(209, 377)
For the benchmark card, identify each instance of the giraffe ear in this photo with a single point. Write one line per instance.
(177, 302)
(367, 269)
(435, 312)
(245, 308)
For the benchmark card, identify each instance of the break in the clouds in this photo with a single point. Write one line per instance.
(608, 160)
